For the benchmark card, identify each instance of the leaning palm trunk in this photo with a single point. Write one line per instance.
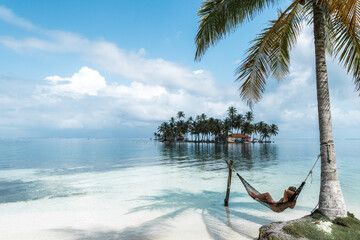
(331, 200)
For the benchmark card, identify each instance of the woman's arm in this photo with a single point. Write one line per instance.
(285, 196)
(287, 192)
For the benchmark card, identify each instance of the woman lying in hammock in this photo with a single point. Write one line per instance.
(280, 205)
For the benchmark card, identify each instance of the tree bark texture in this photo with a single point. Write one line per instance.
(331, 200)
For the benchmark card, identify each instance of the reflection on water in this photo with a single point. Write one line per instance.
(246, 156)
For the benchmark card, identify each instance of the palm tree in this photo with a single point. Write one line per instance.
(180, 128)
(197, 127)
(232, 114)
(180, 115)
(217, 128)
(210, 126)
(172, 122)
(188, 126)
(247, 128)
(166, 131)
(336, 28)
(238, 122)
(274, 129)
(249, 116)
(226, 127)
(203, 117)
(265, 131)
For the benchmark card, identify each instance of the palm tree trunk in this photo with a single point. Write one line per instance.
(331, 200)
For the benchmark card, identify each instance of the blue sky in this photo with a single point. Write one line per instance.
(119, 68)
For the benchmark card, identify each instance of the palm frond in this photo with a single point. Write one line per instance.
(269, 54)
(344, 29)
(287, 33)
(219, 17)
(347, 10)
(347, 49)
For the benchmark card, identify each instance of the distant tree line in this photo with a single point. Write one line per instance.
(204, 129)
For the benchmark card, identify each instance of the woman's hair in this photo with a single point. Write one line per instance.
(292, 188)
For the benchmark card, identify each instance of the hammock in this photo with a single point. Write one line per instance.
(279, 206)
(272, 205)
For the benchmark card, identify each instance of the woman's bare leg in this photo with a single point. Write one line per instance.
(262, 197)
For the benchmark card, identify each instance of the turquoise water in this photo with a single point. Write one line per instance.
(142, 189)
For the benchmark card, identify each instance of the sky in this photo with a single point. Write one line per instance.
(113, 68)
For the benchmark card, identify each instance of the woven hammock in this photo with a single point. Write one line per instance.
(277, 207)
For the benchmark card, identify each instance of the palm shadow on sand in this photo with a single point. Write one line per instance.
(220, 222)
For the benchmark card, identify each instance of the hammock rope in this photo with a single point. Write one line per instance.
(271, 205)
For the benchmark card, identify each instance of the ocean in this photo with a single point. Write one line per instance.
(143, 189)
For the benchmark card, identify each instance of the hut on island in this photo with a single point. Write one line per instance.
(237, 137)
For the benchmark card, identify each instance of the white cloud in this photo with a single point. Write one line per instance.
(86, 81)
(8, 16)
(54, 41)
(108, 57)
(135, 91)
(100, 104)
(304, 49)
(347, 118)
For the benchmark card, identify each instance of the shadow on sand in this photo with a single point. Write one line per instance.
(220, 221)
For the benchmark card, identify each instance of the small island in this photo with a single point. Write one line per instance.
(235, 128)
